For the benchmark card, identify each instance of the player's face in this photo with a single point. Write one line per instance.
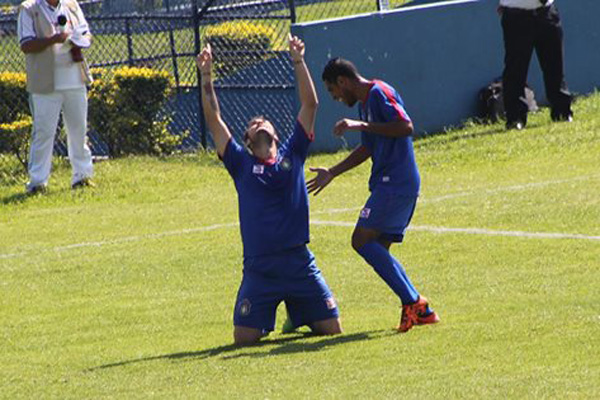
(261, 137)
(340, 92)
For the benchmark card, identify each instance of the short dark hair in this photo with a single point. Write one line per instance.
(337, 67)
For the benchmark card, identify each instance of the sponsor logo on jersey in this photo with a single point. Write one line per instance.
(258, 169)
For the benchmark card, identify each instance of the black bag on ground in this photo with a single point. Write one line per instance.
(491, 102)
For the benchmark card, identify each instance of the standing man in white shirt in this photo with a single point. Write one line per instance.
(57, 76)
(529, 25)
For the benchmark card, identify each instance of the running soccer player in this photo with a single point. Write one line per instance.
(273, 210)
(394, 184)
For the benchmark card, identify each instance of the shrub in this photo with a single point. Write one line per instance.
(7, 9)
(14, 138)
(13, 96)
(125, 111)
(239, 44)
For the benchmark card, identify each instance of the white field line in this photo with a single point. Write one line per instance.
(476, 231)
(512, 188)
(502, 189)
(417, 228)
(126, 239)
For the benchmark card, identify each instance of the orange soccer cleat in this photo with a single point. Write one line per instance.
(416, 314)
(408, 318)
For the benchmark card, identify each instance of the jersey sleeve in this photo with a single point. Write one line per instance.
(233, 158)
(300, 141)
(84, 27)
(25, 27)
(389, 105)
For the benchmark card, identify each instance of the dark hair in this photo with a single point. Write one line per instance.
(337, 67)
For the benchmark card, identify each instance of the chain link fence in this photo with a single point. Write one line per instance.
(254, 75)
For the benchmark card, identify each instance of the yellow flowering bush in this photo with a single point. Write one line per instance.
(7, 9)
(239, 44)
(15, 122)
(125, 111)
(14, 138)
(13, 96)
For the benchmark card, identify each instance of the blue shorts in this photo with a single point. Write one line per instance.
(291, 276)
(389, 213)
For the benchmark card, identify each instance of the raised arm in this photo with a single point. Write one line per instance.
(326, 175)
(306, 88)
(212, 113)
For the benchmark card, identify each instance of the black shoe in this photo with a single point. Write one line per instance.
(562, 117)
(85, 182)
(38, 189)
(517, 125)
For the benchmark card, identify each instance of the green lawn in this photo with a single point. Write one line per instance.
(127, 290)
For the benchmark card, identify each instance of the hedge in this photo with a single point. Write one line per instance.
(239, 44)
(125, 111)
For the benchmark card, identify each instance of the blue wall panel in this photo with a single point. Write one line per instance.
(439, 56)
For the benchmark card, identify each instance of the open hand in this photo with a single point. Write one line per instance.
(319, 182)
(204, 60)
(296, 48)
(346, 125)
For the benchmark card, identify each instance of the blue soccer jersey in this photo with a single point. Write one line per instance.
(394, 166)
(272, 197)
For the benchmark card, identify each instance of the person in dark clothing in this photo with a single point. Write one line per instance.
(530, 25)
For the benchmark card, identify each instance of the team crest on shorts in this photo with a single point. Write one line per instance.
(258, 169)
(330, 303)
(245, 307)
(365, 212)
(286, 164)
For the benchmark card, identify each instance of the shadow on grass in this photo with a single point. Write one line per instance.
(16, 198)
(23, 197)
(287, 345)
(290, 347)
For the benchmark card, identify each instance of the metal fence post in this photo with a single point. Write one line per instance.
(383, 5)
(292, 11)
(173, 47)
(197, 16)
(197, 44)
(129, 42)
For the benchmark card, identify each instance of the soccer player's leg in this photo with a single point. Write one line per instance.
(313, 304)
(309, 300)
(424, 315)
(328, 327)
(255, 308)
(382, 222)
(384, 218)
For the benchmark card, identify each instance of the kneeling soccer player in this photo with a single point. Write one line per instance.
(273, 210)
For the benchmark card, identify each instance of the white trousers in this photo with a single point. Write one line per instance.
(46, 109)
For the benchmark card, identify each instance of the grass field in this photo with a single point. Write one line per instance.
(126, 291)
